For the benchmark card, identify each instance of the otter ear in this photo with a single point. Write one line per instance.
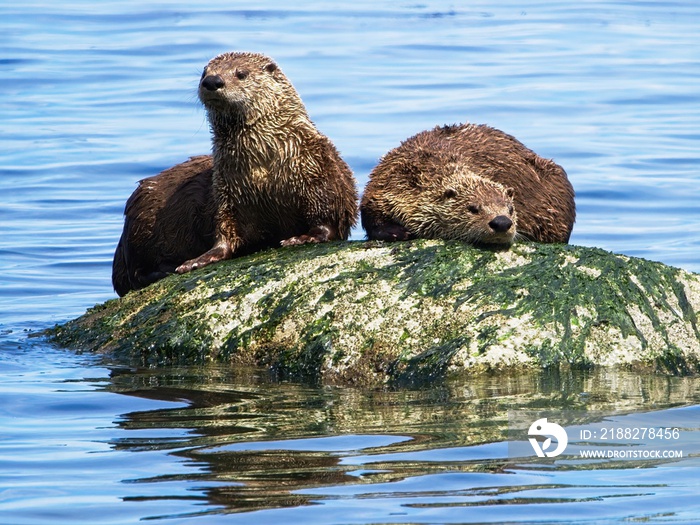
(270, 67)
(450, 193)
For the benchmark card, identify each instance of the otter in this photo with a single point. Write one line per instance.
(420, 189)
(429, 194)
(168, 220)
(276, 179)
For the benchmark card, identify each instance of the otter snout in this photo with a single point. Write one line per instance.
(213, 82)
(500, 224)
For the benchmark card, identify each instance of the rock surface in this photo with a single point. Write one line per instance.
(372, 313)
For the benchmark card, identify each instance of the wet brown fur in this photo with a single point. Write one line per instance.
(277, 179)
(541, 193)
(167, 220)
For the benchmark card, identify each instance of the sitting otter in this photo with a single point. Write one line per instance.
(277, 179)
(469, 182)
(168, 219)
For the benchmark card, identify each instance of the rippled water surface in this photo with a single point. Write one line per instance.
(97, 95)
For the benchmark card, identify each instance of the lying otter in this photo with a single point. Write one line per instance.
(168, 219)
(277, 179)
(469, 182)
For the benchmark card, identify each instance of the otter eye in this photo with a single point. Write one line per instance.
(271, 67)
(510, 209)
(241, 74)
(450, 193)
(473, 208)
(204, 72)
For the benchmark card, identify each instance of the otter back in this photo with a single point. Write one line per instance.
(168, 219)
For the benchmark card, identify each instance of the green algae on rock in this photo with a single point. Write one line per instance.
(369, 313)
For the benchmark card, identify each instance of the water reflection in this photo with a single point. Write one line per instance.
(253, 443)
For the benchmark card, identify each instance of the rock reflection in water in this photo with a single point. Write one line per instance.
(255, 443)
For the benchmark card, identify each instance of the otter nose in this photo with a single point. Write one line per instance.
(212, 82)
(500, 224)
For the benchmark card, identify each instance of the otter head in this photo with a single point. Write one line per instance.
(473, 209)
(246, 87)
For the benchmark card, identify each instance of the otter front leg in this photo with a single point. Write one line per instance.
(322, 233)
(221, 250)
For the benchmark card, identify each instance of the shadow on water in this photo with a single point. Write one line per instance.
(254, 443)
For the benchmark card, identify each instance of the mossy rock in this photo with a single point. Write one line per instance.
(370, 313)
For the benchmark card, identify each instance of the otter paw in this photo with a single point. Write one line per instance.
(216, 254)
(195, 264)
(186, 267)
(299, 239)
(320, 233)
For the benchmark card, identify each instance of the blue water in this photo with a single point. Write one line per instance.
(97, 95)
